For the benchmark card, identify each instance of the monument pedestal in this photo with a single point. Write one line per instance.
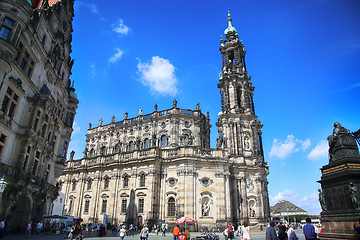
(340, 183)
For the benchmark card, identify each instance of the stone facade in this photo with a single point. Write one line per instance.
(158, 167)
(38, 105)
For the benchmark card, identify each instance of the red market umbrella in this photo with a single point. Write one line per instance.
(185, 220)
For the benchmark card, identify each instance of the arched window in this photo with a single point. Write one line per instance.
(86, 206)
(146, 143)
(239, 96)
(131, 146)
(163, 140)
(89, 183)
(92, 153)
(125, 181)
(142, 180)
(106, 183)
(171, 207)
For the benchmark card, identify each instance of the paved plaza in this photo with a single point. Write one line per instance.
(255, 236)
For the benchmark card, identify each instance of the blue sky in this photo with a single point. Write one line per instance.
(303, 57)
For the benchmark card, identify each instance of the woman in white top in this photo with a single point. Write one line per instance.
(291, 232)
(122, 232)
(245, 231)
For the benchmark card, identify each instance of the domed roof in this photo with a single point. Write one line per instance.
(230, 31)
(72, 91)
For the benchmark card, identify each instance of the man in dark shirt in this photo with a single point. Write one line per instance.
(309, 230)
(357, 231)
(270, 232)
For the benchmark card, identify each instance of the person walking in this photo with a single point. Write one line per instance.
(39, 227)
(163, 228)
(291, 232)
(270, 232)
(29, 228)
(122, 233)
(176, 231)
(282, 233)
(144, 232)
(245, 231)
(309, 230)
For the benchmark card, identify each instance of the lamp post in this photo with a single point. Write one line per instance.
(3, 185)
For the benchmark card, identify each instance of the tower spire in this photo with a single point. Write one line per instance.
(230, 31)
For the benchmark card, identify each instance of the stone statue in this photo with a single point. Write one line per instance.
(219, 142)
(138, 143)
(333, 139)
(250, 185)
(85, 152)
(140, 111)
(72, 153)
(174, 103)
(155, 107)
(190, 141)
(205, 207)
(246, 140)
(101, 122)
(90, 125)
(113, 119)
(322, 200)
(153, 140)
(354, 195)
(220, 76)
(126, 115)
(198, 106)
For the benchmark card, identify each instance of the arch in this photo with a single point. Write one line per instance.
(142, 179)
(92, 153)
(131, 146)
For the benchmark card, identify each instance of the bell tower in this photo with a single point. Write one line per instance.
(239, 128)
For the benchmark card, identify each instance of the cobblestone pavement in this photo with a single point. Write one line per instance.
(43, 236)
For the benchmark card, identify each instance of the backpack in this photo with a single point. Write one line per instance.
(230, 229)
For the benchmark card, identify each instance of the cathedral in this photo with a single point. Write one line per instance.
(157, 167)
(38, 105)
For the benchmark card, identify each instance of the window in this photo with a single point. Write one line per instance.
(86, 206)
(6, 28)
(64, 149)
(142, 180)
(163, 142)
(171, 207)
(36, 162)
(24, 60)
(146, 143)
(131, 146)
(70, 120)
(2, 143)
(103, 206)
(37, 119)
(9, 103)
(123, 205)
(73, 186)
(141, 205)
(89, 183)
(44, 126)
(126, 181)
(106, 183)
(27, 157)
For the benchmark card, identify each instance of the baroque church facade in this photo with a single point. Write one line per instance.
(157, 167)
(38, 105)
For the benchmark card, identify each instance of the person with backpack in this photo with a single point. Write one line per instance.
(230, 231)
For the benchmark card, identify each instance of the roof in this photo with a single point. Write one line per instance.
(285, 206)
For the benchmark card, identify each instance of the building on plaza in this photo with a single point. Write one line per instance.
(285, 208)
(38, 105)
(157, 167)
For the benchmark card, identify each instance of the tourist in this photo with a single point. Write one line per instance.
(29, 228)
(39, 227)
(144, 232)
(245, 231)
(187, 233)
(2, 228)
(72, 233)
(163, 228)
(309, 230)
(291, 232)
(270, 232)
(122, 233)
(176, 231)
(230, 231)
(282, 233)
(357, 231)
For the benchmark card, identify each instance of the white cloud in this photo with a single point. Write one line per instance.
(309, 203)
(283, 149)
(320, 151)
(116, 56)
(159, 75)
(76, 128)
(92, 7)
(93, 71)
(121, 27)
